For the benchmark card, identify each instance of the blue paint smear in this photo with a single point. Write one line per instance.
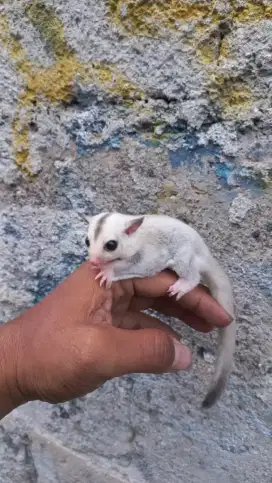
(113, 143)
(240, 176)
(149, 143)
(228, 173)
(191, 154)
(223, 172)
(178, 128)
(82, 148)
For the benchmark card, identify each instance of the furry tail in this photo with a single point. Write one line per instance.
(221, 290)
(223, 364)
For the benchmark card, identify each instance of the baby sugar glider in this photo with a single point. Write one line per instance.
(124, 246)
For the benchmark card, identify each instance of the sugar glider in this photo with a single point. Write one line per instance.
(124, 246)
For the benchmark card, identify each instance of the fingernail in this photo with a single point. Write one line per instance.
(183, 357)
(228, 319)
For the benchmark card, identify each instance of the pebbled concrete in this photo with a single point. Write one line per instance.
(141, 109)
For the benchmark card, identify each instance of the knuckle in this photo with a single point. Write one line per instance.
(163, 350)
(198, 302)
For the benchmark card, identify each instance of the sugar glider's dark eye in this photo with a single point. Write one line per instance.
(87, 241)
(111, 245)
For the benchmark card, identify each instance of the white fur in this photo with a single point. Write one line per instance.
(163, 242)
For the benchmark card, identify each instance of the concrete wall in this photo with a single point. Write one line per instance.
(153, 106)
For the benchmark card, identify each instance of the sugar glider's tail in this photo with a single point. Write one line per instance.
(221, 290)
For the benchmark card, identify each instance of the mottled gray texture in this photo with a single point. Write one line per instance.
(175, 151)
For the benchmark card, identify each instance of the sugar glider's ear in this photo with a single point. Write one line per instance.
(134, 225)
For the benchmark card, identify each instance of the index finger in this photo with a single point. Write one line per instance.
(198, 301)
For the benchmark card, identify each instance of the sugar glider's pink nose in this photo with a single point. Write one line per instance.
(95, 262)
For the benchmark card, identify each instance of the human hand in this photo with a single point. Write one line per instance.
(77, 337)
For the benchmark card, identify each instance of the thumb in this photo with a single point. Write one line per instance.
(145, 350)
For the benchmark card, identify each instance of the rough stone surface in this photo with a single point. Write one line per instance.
(140, 106)
(239, 209)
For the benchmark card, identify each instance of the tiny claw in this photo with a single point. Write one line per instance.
(103, 279)
(171, 291)
(98, 275)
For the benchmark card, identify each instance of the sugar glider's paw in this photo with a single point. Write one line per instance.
(106, 276)
(180, 288)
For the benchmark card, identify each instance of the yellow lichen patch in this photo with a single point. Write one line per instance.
(252, 11)
(209, 38)
(233, 95)
(64, 71)
(115, 82)
(49, 25)
(20, 134)
(224, 51)
(213, 49)
(237, 96)
(168, 191)
(16, 51)
(54, 84)
(208, 50)
(149, 17)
